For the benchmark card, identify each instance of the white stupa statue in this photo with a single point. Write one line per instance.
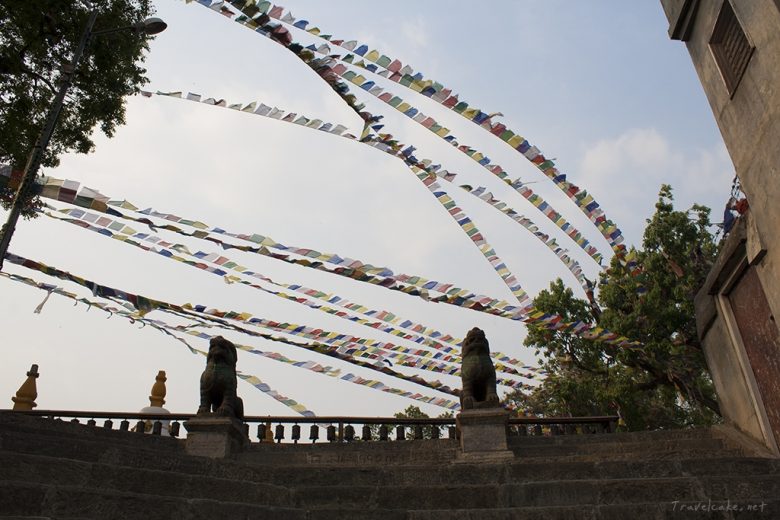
(156, 402)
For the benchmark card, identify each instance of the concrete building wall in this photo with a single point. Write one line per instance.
(748, 116)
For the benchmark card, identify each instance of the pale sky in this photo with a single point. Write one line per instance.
(596, 85)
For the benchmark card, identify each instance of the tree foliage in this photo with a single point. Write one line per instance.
(664, 383)
(411, 412)
(37, 38)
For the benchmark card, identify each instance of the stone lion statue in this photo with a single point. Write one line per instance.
(477, 373)
(218, 381)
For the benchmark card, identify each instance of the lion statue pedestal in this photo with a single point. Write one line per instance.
(482, 422)
(217, 431)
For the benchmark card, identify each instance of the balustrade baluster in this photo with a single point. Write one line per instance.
(314, 433)
(108, 424)
(124, 425)
(74, 421)
(331, 433)
(140, 427)
(383, 432)
(349, 433)
(260, 432)
(91, 422)
(452, 432)
(538, 429)
(279, 433)
(400, 433)
(173, 429)
(418, 432)
(157, 428)
(435, 432)
(296, 433)
(366, 433)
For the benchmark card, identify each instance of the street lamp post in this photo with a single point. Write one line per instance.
(149, 26)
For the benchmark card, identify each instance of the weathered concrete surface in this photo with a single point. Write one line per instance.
(215, 437)
(483, 435)
(749, 120)
(432, 452)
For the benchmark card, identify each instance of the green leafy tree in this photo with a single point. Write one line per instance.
(38, 38)
(411, 412)
(662, 384)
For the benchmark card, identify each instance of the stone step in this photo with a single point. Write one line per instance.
(371, 454)
(529, 468)
(594, 438)
(632, 491)
(655, 468)
(381, 497)
(144, 481)
(761, 509)
(71, 502)
(378, 493)
(645, 449)
(356, 514)
(632, 456)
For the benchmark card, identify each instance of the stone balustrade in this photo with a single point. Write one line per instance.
(332, 429)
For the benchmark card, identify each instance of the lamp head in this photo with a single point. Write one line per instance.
(151, 26)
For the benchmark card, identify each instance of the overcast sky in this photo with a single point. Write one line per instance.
(596, 85)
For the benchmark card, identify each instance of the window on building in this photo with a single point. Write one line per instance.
(730, 46)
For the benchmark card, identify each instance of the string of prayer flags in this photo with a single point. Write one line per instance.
(353, 269)
(468, 226)
(554, 322)
(253, 380)
(443, 133)
(372, 349)
(118, 231)
(344, 355)
(328, 371)
(263, 387)
(561, 253)
(112, 293)
(328, 73)
(90, 198)
(404, 75)
(473, 233)
(404, 356)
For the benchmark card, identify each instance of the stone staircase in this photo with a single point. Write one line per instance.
(57, 470)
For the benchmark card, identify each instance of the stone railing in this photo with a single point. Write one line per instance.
(522, 426)
(330, 429)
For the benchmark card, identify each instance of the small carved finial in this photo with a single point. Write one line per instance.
(28, 392)
(158, 390)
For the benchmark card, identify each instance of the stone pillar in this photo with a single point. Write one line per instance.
(483, 435)
(215, 437)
